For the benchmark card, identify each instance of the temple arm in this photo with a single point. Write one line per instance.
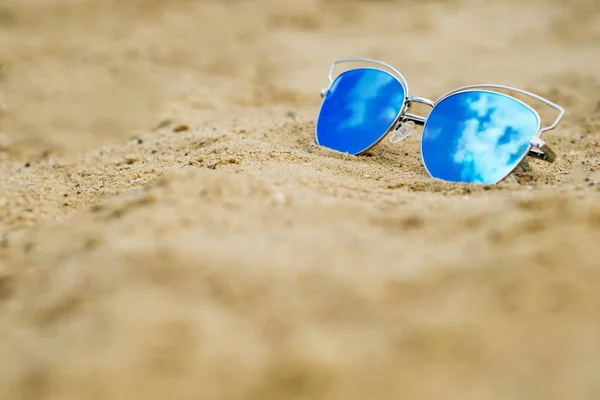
(540, 150)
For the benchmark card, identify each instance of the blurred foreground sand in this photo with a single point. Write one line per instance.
(237, 259)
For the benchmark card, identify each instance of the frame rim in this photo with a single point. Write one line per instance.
(472, 88)
(399, 75)
(400, 79)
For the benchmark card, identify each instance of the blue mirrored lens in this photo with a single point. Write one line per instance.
(477, 137)
(359, 109)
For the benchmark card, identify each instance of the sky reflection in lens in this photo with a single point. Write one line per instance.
(477, 137)
(360, 107)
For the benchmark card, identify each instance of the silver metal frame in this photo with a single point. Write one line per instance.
(538, 148)
(367, 61)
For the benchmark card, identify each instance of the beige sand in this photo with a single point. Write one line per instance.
(236, 259)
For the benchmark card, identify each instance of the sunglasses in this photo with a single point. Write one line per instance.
(474, 134)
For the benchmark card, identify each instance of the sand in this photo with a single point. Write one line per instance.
(169, 228)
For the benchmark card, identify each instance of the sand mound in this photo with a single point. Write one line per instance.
(168, 228)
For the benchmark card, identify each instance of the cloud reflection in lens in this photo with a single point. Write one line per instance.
(477, 137)
(360, 107)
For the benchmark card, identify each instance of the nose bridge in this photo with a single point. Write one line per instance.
(421, 100)
(417, 119)
(407, 121)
